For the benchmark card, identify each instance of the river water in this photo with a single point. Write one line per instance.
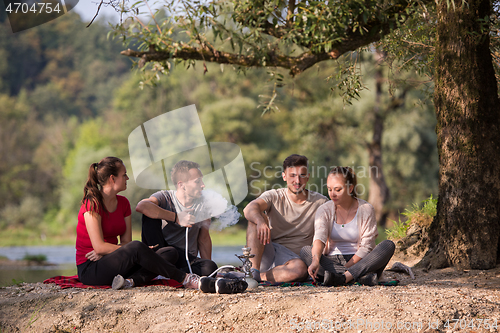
(63, 258)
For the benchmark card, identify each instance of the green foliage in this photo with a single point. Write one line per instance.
(398, 230)
(75, 110)
(36, 258)
(57, 72)
(26, 214)
(349, 78)
(67, 66)
(421, 215)
(16, 282)
(429, 209)
(411, 47)
(51, 236)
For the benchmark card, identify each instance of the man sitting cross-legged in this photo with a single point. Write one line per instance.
(167, 214)
(280, 223)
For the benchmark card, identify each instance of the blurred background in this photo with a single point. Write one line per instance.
(68, 98)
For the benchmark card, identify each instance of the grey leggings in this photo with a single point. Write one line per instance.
(374, 262)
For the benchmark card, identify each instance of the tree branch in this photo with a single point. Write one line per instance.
(291, 10)
(371, 32)
(296, 65)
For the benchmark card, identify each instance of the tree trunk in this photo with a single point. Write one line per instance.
(466, 228)
(379, 192)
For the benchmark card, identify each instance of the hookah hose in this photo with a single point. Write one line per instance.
(187, 252)
(189, 264)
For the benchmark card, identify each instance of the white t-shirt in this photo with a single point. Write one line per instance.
(345, 237)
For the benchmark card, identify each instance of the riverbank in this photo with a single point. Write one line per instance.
(464, 300)
(234, 235)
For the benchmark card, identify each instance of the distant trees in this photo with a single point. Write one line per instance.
(52, 77)
(296, 35)
(82, 103)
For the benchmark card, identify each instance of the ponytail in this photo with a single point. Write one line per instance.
(349, 177)
(99, 174)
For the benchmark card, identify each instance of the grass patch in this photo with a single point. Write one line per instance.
(398, 229)
(230, 236)
(29, 237)
(421, 215)
(14, 282)
(35, 258)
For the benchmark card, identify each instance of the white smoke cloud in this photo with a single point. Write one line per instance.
(230, 217)
(223, 214)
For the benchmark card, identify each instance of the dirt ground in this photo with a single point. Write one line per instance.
(436, 301)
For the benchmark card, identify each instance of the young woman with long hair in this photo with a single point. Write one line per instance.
(104, 217)
(344, 236)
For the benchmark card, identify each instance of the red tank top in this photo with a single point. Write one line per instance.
(113, 225)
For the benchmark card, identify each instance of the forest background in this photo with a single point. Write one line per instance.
(68, 98)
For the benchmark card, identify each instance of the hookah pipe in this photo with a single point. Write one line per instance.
(245, 259)
(247, 265)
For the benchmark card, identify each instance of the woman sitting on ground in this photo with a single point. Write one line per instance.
(103, 217)
(344, 236)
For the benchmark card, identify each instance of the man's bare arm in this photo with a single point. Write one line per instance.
(254, 213)
(150, 207)
(204, 241)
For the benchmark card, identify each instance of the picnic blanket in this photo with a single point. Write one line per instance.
(74, 282)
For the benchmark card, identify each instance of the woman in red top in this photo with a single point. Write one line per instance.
(104, 216)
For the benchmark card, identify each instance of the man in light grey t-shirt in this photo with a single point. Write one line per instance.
(280, 223)
(166, 214)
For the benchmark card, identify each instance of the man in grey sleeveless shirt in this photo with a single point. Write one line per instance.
(280, 223)
(166, 214)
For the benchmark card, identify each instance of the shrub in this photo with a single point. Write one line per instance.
(37, 258)
(420, 215)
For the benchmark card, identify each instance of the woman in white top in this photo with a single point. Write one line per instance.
(344, 236)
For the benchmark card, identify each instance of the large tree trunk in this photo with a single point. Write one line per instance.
(466, 228)
(379, 192)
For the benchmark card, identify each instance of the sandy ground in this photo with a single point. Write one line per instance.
(437, 301)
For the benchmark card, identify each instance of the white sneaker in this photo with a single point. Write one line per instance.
(119, 282)
(191, 281)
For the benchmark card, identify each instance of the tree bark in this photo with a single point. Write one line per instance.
(466, 228)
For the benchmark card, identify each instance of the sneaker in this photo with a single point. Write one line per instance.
(369, 279)
(119, 282)
(191, 281)
(255, 274)
(207, 284)
(222, 286)
(227, 286)
(334, 279)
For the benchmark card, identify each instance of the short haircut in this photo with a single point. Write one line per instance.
(294, 160)
(180, 170)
